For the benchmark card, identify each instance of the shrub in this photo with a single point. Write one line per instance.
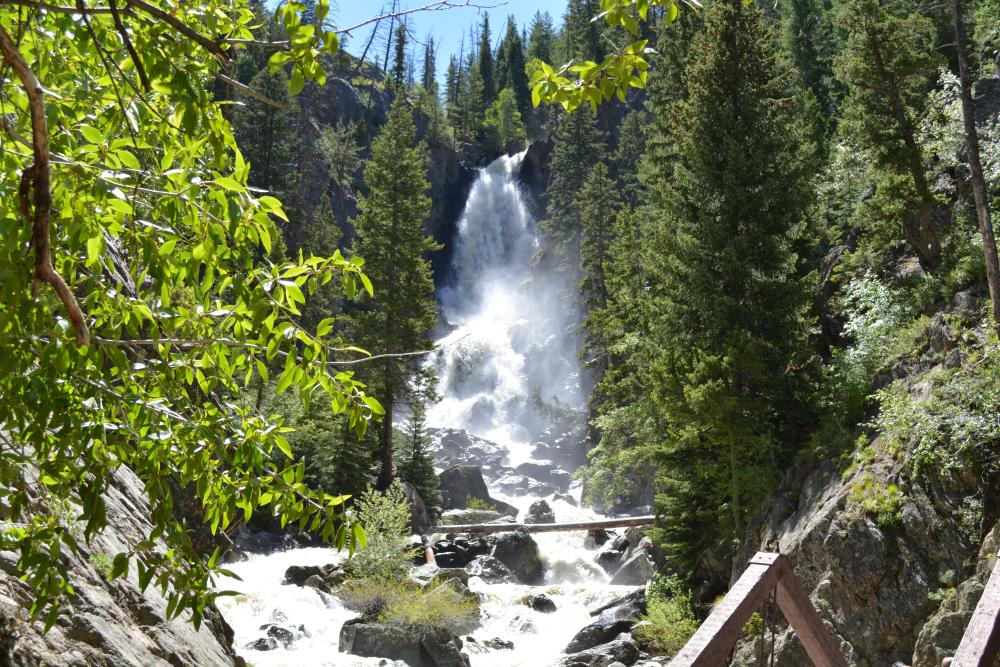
(670, 617)
(102, 564)
(480, 504)
(882, 504)
(387, 552)
(405, 603)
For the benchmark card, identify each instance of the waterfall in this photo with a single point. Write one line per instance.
(510, 358)
(508, 373)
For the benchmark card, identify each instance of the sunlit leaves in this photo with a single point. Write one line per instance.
(166, 249)
(574, 84)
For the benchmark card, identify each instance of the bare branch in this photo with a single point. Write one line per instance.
(440, 5)
(58, 9)
(140, 70)
(247, 90)
(37, 178)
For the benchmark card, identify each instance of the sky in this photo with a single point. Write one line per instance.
(446, 26)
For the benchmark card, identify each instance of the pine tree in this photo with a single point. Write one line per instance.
(581, 35)
(598, 202)
(390, 238)
(452, 83)
(510, 68)
(542, 38)
(429, 77)
(726, 305)
(577, 142)
(628, 155)
(887, 63)
(399, 62)
(486, 66)
(503, 123)
(807, 36)
(415, 462)
(264, 133)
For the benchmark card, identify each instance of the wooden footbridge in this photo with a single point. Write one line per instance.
(767, 572)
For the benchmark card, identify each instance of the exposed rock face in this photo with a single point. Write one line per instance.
(941, 634)
(539, 512)
(546, 473)
(871, 584)
(456, 447)
(542, 603)
(420, 518)
(114, 623)
(519, 552)
(416, 648)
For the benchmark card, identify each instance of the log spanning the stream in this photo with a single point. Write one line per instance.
(484, 528)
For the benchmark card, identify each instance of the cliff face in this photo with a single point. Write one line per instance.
(878, 572)
(111, 624)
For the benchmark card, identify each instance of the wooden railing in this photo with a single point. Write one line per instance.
(711, 644)
(981, 641)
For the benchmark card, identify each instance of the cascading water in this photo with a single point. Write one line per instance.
(512, 353)
(507, 370)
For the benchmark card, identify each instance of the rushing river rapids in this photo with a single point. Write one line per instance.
(509, 354)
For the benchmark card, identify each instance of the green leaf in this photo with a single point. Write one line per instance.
(296, 82)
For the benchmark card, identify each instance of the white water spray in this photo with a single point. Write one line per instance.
(515, 360)
(512, 352)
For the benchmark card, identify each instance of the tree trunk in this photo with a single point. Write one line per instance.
(976, 168)
(386, 474)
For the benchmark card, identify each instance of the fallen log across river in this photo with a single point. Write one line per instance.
(484, 528)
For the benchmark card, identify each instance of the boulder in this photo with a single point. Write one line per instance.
(420, 518)
(298, 574)
(566, 498)
(498, 644)
(611, 620)
(635, 571)
(414, 647)
(542, 603)
(460, 484)
(547, 473)
(598, 536)
(519, 552)
(490, 570)
(610, 560)
(539, 512)
(622, 650)
(264, 644)
(467, 516)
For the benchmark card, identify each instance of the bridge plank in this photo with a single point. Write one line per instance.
(981, 641)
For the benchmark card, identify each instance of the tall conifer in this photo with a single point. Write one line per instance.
(390, 237)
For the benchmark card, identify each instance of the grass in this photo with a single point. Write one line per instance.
(101, 563)
(404, 603)
(883, 504)
(480, 504)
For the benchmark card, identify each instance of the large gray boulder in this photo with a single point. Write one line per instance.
(490, 570)
(621, 651)
(416, 648)
(460, 484)
(420, 518)
(539, 512)
(636, 571)
(519, 552)
(610, 621)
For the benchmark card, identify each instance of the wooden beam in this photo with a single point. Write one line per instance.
(711, 644)
(483, 528)
(801, 615)
(981, 640)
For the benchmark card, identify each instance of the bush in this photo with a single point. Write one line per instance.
(102, 564)
(405, 603)
(387, 552)
(670, 617)
(480, 504)
(882, 504)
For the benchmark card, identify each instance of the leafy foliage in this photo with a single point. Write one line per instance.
(386, 551)
(169, 312)
(670, 618)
